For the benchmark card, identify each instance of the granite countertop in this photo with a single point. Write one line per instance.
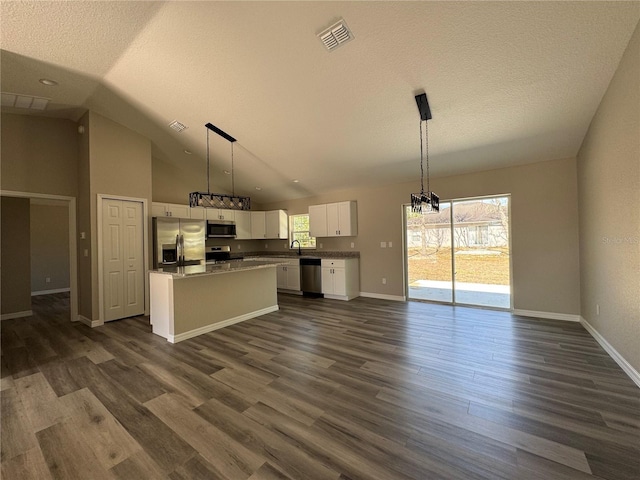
(294, 253)
(214, 269)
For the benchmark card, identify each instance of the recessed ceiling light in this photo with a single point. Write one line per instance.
(296, 181)
(48, 82)
(227, 172)
(188, 152)
(258, 188)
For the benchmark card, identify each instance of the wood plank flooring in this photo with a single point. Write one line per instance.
(367, 389)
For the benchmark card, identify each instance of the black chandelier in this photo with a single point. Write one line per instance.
(219, 200)
(424, 202)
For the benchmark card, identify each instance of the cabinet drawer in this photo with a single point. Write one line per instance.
(328, 262)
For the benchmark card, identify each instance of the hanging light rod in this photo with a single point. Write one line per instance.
(219, 200)
(225, 135)
(428, 201)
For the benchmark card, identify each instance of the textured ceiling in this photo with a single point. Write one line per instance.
(508, 82)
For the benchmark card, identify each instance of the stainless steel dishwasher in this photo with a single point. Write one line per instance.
(310, 275)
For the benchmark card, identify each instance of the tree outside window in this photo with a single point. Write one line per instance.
(300, 231)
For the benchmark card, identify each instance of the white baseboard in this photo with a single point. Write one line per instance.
(90, 323)
(567, 317)
(633, 374)
(210, 328)
(382, 296)
(49, 292)
(9, 316)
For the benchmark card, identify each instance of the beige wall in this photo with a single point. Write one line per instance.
(544, 217)
(49, 233)
(609, 196)
(15, 288)
(83, 220)
(39, 155)
(119, 165)
(173, 185)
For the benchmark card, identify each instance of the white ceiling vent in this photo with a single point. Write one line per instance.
(24, 101)
(336, 35)
(177, 126)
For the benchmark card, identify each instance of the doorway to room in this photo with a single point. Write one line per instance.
(462, 254)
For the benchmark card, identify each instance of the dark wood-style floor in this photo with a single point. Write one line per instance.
(322, 389)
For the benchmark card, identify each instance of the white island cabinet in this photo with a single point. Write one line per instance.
(190, 301)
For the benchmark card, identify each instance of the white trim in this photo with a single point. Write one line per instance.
(48, 292)
(383, 296)
(90, 323)
(633, 374)
(210, 328)
(10, 316)
(73, 249)
(567, 317)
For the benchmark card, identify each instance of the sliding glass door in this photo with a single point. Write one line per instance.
(428, 252)
(481, 252)
(460, 255)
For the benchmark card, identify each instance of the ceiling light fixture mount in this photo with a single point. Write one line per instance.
(219, 200)
(48, 82)
(424, 202)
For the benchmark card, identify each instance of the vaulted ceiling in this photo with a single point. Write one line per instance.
(508, 82)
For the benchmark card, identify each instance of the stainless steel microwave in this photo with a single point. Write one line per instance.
(221, 229)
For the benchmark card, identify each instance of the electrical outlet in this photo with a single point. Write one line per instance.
(597, 309)
(83, 235)
(353, 244)
(384, 281)
(390, 244)
(47, 280)
(86, 252)
(266, 245)
(239, 247)
(320, 245)
(383, 244)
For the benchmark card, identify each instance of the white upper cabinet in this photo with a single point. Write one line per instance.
(334, 220)
(318, 220)
(272, 224)
(243, 225)
(198, 213)
(170, 210)
(214, 214)
(258, 225)
(277, 224)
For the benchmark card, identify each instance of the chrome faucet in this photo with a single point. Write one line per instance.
(299, 251)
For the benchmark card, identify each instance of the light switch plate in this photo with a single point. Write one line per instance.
(383, 244)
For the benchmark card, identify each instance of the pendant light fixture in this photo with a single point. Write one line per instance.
(424, 202)
(219, 200)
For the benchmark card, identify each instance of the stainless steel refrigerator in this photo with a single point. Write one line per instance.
(178, 242)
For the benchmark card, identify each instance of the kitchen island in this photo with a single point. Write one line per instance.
(192, 300)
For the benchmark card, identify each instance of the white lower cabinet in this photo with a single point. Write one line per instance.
(341, 278)
(289, 275)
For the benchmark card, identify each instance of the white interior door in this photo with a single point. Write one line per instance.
(122, 254)
(133, 259)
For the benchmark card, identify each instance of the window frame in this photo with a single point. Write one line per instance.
(292, 232)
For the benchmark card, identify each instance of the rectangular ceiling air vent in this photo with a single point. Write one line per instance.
(24, 101)
(177, 126)
(336, 35)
